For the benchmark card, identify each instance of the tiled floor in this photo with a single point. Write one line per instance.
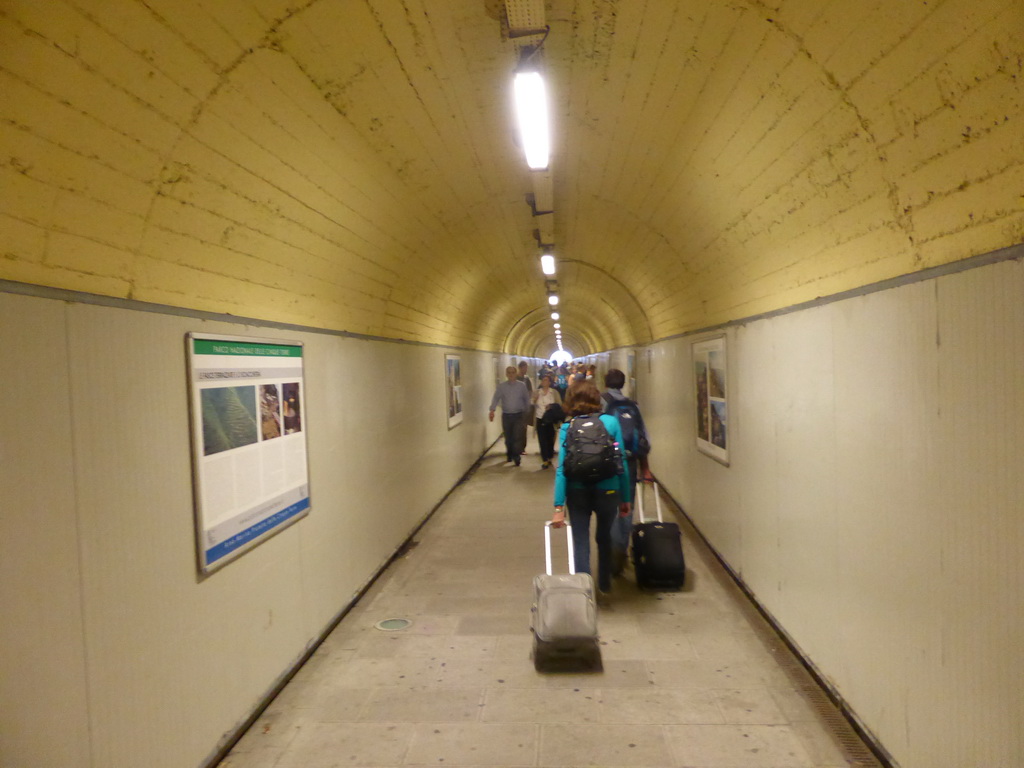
(692, 679)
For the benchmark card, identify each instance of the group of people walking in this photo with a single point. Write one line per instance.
(552, 410)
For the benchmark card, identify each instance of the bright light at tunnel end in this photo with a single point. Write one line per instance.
(561, 356)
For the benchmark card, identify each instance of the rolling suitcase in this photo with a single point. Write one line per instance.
(657, 550)
(564, 616)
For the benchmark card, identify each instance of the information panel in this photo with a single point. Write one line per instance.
(250, 474)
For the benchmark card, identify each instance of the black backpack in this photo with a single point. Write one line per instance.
(634, 433)
(589, 454)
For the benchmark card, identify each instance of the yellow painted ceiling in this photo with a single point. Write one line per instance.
(351, 164)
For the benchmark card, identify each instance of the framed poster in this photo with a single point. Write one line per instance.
(453, 389)
(710, 374)
(631, 372)
(248, 417)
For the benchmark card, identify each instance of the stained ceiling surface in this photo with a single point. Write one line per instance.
(353, 165)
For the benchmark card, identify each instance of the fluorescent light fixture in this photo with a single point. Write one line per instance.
(547, 264)
(558, 325)
(532, 114)
(554, 315)
(553, 299)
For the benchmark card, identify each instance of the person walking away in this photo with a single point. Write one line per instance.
(636, 445)
(546, 421)
(562, 380)
(514, 399)
(527, 421)
(605, 498)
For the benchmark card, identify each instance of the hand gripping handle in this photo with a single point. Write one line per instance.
(547, 547)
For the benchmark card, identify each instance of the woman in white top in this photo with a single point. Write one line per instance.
(544, 396)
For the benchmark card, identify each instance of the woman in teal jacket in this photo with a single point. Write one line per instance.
(604, 498)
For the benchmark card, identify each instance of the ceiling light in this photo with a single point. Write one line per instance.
(547, 264)
(553, 299)
(532, 114)
(554, 315)
(558, 325)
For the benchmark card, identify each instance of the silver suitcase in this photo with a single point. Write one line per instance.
(564, 616)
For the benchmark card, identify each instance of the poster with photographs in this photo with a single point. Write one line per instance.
(710, 373)
(453, 389)
(249, 471)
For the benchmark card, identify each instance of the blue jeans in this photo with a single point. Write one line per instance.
(622, 528)
(580, 502)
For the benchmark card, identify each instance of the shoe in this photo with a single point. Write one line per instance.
(517, 461)
(545, 465)
(604, 599)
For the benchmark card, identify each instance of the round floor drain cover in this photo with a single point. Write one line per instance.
(393, 625)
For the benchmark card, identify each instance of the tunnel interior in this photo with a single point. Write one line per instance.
(355, 167)
(827, 192)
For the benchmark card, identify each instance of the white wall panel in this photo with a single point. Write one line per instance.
(753, 414)
(42, 658)
(174, 660)
(885, 416)
(109, 632)
(876, 505)
(980, 487)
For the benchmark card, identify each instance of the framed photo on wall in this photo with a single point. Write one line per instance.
(453, 389)
(710, 372)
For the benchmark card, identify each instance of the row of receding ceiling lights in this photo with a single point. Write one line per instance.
(535, 133)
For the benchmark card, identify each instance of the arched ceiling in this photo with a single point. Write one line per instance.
(352, 165)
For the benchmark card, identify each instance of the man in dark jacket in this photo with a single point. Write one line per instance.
(639, 445)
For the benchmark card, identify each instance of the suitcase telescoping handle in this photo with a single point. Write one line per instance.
(640, 501)
(547, 547)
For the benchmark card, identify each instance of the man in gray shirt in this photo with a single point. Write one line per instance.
(514, 399)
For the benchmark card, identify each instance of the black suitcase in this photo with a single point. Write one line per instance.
(564, 617)
(657, 550)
